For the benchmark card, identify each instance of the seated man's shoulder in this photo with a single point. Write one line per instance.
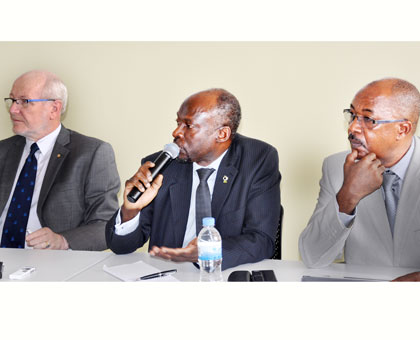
(11, 144)
(252, 144)
(11, 140)
(85, 142)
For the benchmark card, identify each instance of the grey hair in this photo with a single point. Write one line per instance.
(54, 88)
(228, 109)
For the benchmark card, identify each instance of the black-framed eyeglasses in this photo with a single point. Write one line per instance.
(24, 102)
(367, 122)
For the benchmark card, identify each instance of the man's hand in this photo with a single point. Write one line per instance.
(142, 180)
(360, 179)
(45, 238)
(408, 277)
(187, 254)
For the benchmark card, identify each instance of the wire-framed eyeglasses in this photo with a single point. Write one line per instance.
(367, 122)
(24, 102)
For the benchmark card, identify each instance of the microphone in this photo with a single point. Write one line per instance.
(170, 151)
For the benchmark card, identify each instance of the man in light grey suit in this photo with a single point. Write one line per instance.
(76, 183)
(356, 212)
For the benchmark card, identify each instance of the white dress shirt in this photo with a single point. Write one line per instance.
(400, 169)
(42, 156)
(190, 232)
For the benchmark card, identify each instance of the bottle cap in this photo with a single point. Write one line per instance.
(208, 221)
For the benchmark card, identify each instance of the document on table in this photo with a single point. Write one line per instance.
(133, 271)
(308, 278)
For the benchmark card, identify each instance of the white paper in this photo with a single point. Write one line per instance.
(133, 271)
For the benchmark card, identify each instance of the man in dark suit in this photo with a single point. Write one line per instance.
(75, 185)
(245, 189)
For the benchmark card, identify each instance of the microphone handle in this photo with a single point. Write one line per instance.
(160, 164)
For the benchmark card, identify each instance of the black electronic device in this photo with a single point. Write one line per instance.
(255, 276)
(170, 151)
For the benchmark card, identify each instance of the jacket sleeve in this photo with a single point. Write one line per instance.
(100, 201)
(323, 240)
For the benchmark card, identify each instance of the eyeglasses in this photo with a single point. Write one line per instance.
(367, 122)
(24, 102)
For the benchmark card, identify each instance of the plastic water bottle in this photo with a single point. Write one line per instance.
(210, 251)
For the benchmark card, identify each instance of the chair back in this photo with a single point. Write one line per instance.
(277, 245)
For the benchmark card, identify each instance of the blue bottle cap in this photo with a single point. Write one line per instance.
(208, 221)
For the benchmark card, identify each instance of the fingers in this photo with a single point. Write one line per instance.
(187, 254)
(45, 238)
(352, 156)
(142, 179)
(39, 239)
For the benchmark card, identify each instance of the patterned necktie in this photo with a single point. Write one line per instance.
(390, 184)
(202, 198)
(14, 229)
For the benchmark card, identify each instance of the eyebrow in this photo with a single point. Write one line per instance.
(364, 110)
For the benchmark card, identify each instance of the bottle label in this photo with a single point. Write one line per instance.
(208, 251)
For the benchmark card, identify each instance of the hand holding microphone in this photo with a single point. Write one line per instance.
(170, 151)
(146, 177)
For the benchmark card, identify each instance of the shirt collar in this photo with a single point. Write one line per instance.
(401, 167)
(214, 165)
(46, 143)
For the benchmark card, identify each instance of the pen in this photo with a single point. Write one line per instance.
(1, 270)
(160, 274)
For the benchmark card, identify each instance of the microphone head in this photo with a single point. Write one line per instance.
(171, 149)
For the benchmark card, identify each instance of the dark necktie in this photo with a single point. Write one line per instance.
(14, 228)
(202, 198)
(391, 191)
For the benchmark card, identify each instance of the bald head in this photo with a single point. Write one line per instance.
(223, 104)
(50, 86)
(401, 98)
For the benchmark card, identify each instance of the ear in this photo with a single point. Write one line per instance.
(404, 129)
(56, 109)
(224, 134)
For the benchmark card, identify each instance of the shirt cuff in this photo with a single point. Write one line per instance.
(128, 227)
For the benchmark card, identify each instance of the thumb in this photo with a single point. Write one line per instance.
(351, 157)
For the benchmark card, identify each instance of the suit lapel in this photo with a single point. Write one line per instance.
(10, 167)
(225, 178)
(408, 203)
(180, 195)
(58, 156)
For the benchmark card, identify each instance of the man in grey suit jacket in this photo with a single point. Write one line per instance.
(76, 181)
(245, 189)
(353, 212)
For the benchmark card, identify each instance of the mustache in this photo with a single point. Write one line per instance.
(353, 138)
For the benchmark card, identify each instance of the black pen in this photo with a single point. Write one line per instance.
(160, 274)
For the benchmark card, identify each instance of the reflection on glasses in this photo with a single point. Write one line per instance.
(24, 102)
(367, 122)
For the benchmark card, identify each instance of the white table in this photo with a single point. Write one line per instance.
(87, 266)
(51, 265)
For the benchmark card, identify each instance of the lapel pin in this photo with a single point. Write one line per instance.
(58, 155)
(225, 179)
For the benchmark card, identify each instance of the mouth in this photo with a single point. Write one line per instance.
(183, 154)
(356, 143)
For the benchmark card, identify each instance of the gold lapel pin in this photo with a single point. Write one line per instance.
(225, 179)
(58, 155)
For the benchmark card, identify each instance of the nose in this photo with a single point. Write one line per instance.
(177, 133)
(14, 108)
(355, 126)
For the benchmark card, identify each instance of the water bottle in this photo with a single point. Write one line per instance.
(210, 251)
